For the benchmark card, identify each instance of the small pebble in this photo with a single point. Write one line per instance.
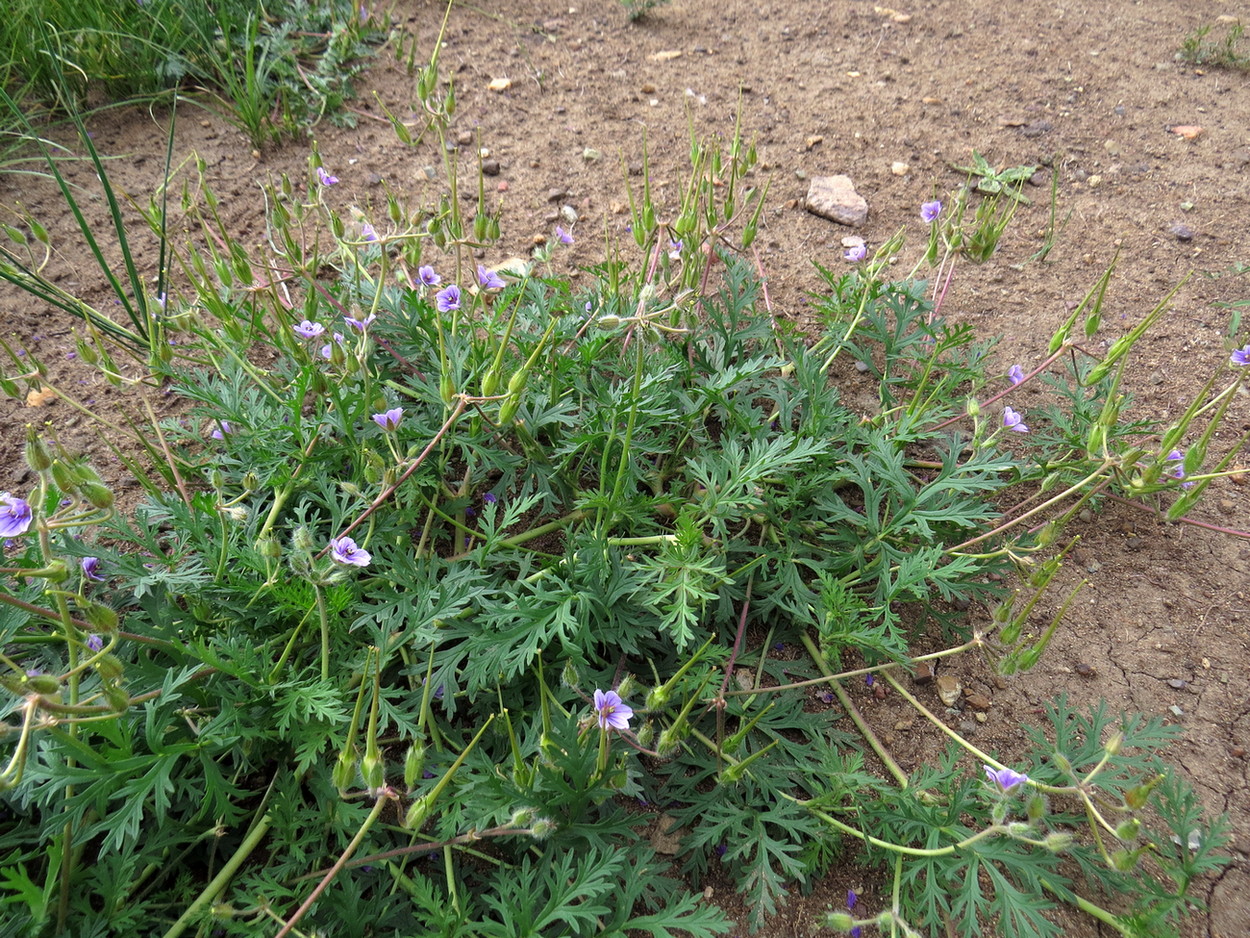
(1086, 670)
(490, 167)
(1176, 683)
(1181, 232)
(861, 366)
(1176, 711)
(1086, 515)
(1227, 506)
(980, 717)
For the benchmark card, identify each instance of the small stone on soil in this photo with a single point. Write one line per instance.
(835, 198)
(1177, 684)
(1085, 670)
(924, 672)
(1181, 232)
(948, 688)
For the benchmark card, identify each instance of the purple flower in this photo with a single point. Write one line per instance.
(612, 711)
(1015, 374)
(223, 430)
(360, 325)
(929, 211)
(674, 250)
(1005, 779)
(869, 680)
(325, 178)
(428, 277)
(308, 329)
(489, 498)
(389, 420)
(447, 299)
(344, 551)
(1240, 357)
(857, 931)
(91, 568)
(327, 350)
(1013, 421)
(563, 236)
(95, 642)
(367, 231)
(856, 253)
(15, 515)
(851, 898)
(1178, 471)
(489, 279)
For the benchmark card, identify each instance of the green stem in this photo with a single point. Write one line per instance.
(214, 888)
(860, 724)
(324, 616)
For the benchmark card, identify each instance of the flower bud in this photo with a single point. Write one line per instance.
(102, 618)
(117, 698)
(97, 495)
(542, 828)
(1129, 829)
(1114, 743)
(1062, 763)
(110, 668)
(657, 697)
(1124, 861)
(344, 771)
(43, 684)
(414, 765)
(972, 408)
(37, 455)
(268, 548)
(839, 921)
(418, 813)
(1035, 807)
(63, 476)
(373, 769)
(609, 321)
(1058, 841)
(302, 539)
(516, 384)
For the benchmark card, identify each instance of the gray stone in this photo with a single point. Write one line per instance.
(835, 198)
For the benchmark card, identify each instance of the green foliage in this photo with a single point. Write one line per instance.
(379, 656)
(1220, 52)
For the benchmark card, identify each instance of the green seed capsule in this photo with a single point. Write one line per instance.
(43, 684)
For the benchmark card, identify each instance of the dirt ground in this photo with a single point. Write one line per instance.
(1093, 91)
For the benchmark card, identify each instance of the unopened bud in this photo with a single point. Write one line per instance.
(1062, 763)
(43, 684)
(972, 408)
(542, 828)
(1129, 829)
(1035, 807)
(344, 773)
(37, 455)
(839, 921)
(117, 698)
(1058, 841)
(302, 539)
(268, 548)
(609, 321)
(102, 618)
(1114, 743)
(97, 495)
(63, 476)
(418, 813)
(414, 765)
(657, 697)
(373, 769)
(110, 668)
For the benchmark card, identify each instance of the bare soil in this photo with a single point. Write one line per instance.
(1092, 91)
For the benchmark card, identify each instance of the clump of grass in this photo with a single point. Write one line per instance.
(1224, 51)
(275, 66)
